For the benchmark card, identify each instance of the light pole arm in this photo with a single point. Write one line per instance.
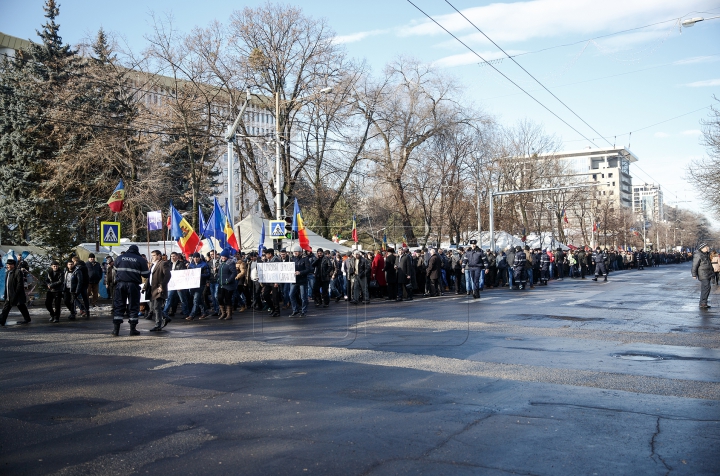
(492, 195)
(229, 137)
(230, 134)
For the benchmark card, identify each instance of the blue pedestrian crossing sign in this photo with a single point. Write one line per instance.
(110, 233)
(277, 228)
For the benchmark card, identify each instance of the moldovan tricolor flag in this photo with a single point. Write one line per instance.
(180, 230)
(595, 226)
(117, 199)
(564, 215)
(298, 227)
(354, 230)
(232, 241)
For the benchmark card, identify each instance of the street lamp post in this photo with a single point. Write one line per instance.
(492, 195)
(691, 21)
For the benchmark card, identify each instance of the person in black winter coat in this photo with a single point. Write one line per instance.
(14, 293)
(391, 275)
(54, 283)
(95, 273)
(82, 293)
(71, 286)
(702, 270)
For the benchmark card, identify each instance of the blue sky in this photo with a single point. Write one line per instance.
(619, 83)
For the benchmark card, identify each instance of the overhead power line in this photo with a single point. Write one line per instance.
(526, 71)
(502, 74)
(646, 127)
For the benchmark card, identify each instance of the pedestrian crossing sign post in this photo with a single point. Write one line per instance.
(110, 233)
(277, 228)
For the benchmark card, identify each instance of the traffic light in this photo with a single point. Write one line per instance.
(288, 228)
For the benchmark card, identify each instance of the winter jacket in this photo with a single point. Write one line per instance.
(226, 274)
(702, 267)
(130, 267)
(15, 287)
(54, 280)
(94, 272)
(75, 282)
(433, 267)
(390, 272)
(302, 265)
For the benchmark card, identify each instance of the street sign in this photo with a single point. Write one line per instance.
(110, 233)
(277, 228)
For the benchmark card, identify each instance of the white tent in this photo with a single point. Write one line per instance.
(251, 227)
(503, 239)
(544, 241)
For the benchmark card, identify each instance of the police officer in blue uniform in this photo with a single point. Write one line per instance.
(130, 268)
(599, 258)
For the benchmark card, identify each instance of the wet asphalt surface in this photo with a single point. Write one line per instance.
(573, 378)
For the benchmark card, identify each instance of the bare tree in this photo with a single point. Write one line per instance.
(417, 105)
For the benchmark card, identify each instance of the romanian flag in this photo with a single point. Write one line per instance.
(595, 226)
(180, 230)
(117, 199)
(230, 237)
(354, 230)
(564, 215)
(298, 228)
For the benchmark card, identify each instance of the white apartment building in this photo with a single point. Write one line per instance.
(648, 202)
(609, 167)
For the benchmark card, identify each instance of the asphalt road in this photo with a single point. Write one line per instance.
(573, 378)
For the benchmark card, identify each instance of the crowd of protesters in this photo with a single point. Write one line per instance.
(229, 282)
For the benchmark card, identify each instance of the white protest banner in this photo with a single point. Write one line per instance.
(142, 294)
(184, 279)
(276, 272)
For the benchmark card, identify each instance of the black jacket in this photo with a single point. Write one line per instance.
(75, 280)
(404, 269)
(130, 268)
(302, 265)
(15, 287)
(54, 280)
(94, 272)
(390, 274)
(226, 275)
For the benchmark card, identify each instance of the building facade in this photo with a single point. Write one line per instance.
(609, 167)
(648, 202)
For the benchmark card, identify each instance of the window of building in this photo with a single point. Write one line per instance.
(609, 175)
(594, 176)
(613, 182)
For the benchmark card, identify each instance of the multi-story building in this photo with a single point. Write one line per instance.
(609, 167)
(648, 202)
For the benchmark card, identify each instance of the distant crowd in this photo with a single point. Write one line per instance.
(229, 283)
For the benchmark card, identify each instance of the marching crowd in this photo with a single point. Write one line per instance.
(229, 282)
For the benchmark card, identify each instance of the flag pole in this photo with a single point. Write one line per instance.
(147, 230)
(164, 245)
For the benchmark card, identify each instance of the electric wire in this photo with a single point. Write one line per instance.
(502, 74)
(526, 71)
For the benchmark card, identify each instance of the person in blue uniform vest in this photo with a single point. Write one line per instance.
(130, 268)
